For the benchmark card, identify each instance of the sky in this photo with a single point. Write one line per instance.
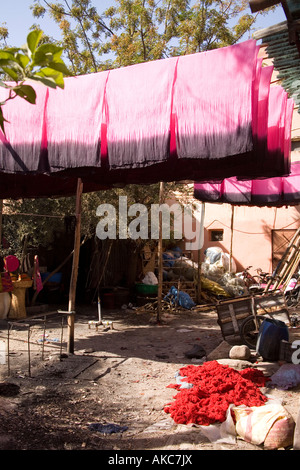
(18, 18)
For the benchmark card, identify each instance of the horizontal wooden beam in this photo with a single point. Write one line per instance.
(258, 5)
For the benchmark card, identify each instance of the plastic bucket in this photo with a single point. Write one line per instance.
(146, 288)
(270, 334)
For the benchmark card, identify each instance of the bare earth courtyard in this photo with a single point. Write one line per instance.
(117, 376)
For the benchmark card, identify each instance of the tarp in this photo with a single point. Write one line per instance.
(200, 117)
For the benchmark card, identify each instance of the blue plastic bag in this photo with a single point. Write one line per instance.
(179, 298)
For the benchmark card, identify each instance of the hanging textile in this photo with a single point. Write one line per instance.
(276, 191)
(201, 117)
(279, 191)
(73, 120)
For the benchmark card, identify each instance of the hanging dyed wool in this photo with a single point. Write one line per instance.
(215, 387)
(200, 117)
(273, 192)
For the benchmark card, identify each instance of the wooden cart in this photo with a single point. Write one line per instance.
(240, 318)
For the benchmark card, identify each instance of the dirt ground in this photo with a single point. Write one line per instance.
(117, 375)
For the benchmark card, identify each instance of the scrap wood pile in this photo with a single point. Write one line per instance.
(169, 308)
(287, 265)
(151, 307)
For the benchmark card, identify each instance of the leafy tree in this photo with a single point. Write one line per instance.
(147, 30)
(3, 33)
(42, 63)
(83, 32)
(35, 220)
(133, 31)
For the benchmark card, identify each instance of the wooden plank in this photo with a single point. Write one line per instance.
(224, 317)
(74, 274)
(239, 306)
(239, 318)
(160, 256)
(236, 299)
(231, 314)
(227, 329)
(231, 238)
(274, 305)
(259, 5)
(234, 320)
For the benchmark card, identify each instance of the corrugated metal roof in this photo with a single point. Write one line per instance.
(286, 61)
(282, 43)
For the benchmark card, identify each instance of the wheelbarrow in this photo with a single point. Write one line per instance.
(240, 318)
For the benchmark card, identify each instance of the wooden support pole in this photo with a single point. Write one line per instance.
(292, 270)
(199, 286)
(231, 239)
(160, 256)
(199, 290)
(74, 275)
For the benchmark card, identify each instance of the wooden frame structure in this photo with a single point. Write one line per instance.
(258, 5)
(74, 274)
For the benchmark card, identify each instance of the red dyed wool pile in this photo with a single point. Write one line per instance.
(215, 387)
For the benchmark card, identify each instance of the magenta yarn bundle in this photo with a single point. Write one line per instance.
(201, 117)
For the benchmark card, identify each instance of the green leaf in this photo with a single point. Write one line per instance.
(31, 62)
(59, 66)
(26, 92)
(4, 55)
(49, 82)
(5, 62)
(33, 39)
(11, 72)
(46, 53)
(48, 72)
(12, 50)
(23, 60)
